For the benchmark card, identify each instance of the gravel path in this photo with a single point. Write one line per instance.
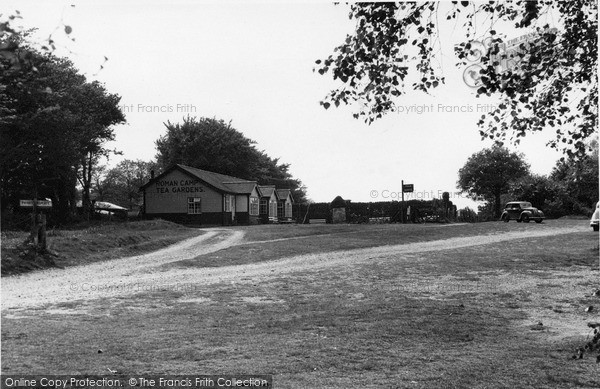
(94, 280)
(140, 274)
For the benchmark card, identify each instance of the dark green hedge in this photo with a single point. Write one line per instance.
(421, 210)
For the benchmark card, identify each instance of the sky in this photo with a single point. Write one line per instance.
(251, 64)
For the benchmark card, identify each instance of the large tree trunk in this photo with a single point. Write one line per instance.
(66, 195)
(86, 181)
(72, 195)
(497, 205)
(60, 202)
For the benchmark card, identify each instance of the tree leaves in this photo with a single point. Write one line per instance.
(121, 184)
(375, 61)
(549, 77)
(489, 173)
(57, 120)
(216, 146)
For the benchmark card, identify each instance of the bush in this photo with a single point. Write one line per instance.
(467, 215)
(420, 211)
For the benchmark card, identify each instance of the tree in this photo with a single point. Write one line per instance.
(57, 127)
(99, 189)
(489, 174)
(548, 81)
(577, 181)
(121, 184)
(214, 145)
(17, 54)
(98, 111)
(539, 190)
(570, 189)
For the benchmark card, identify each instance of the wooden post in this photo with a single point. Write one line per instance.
(34, 226)
(402, 206)
(34, 231)
(41, 243)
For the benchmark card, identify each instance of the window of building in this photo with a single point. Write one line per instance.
(254, 206)
(288, 210)
(273, 209)
(227, 201)
(280, 209)
(194, 205)
(263, 206)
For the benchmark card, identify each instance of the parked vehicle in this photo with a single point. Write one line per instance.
(595, 217)
(521, 211)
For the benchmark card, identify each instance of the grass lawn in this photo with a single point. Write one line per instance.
(455, 318)
(95, 243)
(271, 242)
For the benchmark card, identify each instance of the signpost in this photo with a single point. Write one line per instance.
(406, 188)
(38, 220)
(38, 203)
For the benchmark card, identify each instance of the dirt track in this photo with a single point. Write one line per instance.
(135, 274)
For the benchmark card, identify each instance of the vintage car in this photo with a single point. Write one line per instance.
(595, 217)
(521, 211)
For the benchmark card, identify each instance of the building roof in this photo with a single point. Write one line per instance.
(103, 205)
(221, 182)
(266, 190)
(338, 202)
(241, 187)
(108, 206)
(284, 193)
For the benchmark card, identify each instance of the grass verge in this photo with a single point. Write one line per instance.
(92, 244)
